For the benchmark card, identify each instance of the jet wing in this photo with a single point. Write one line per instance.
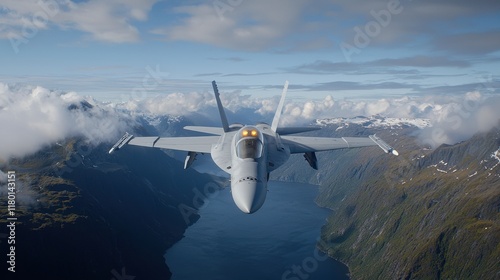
(206, 129)
(201, 144)
(301, 144)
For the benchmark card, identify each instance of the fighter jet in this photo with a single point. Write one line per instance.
(250, 152)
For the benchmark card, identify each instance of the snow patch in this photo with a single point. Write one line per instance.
(376, 121)
(496, 155)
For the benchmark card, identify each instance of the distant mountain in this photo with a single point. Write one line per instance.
(388, 129)
(427, 214)
(375, 122)
(163, 125)
(84, 214)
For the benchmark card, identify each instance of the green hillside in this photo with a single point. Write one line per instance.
(423, 215)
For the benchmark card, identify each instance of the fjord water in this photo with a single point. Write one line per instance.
(276, 242)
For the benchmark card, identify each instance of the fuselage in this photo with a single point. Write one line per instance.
(253, 152)
(250, 153)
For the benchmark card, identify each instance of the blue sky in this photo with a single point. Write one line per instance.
(120, 49)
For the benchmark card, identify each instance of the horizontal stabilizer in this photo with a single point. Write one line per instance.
(298, 129)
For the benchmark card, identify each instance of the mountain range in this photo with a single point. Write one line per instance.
(427, 214)
(84, 214)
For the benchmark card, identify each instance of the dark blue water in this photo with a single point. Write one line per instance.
(276, 242)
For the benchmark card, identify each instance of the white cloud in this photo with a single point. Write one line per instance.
(454, 117)
(109, 21)
(246, 25)
(457, 118)
(33, 117)
(277, 25)
(171, 104)
(418, 19)
(378, 107)
(282, 25)
(179, 103)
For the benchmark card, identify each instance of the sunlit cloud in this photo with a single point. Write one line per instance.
(36, 117)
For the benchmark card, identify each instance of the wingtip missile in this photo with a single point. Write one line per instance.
(383, 145)
(124, 140)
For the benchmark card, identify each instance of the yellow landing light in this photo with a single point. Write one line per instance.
(252, 133)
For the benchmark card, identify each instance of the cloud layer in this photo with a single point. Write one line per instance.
(33, 117)
(109, 21)
(276, 26)
(271, 25)
(454, 118)
(246, 25)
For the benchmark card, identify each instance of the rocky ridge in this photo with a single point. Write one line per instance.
(427, 214)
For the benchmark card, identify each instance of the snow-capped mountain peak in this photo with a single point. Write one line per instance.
(375, 122)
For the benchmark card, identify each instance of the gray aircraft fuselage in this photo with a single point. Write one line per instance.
(250, 153)
(254, 152)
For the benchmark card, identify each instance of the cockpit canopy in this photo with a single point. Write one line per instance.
(249, 142)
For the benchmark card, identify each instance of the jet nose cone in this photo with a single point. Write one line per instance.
(249, 196)
(246, 208)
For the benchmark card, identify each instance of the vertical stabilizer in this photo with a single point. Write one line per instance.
(277, 115)
(222, 114)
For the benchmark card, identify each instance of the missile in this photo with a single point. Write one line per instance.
(124, 140)
(383, 145)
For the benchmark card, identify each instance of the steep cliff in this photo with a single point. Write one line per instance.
(427, 214)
